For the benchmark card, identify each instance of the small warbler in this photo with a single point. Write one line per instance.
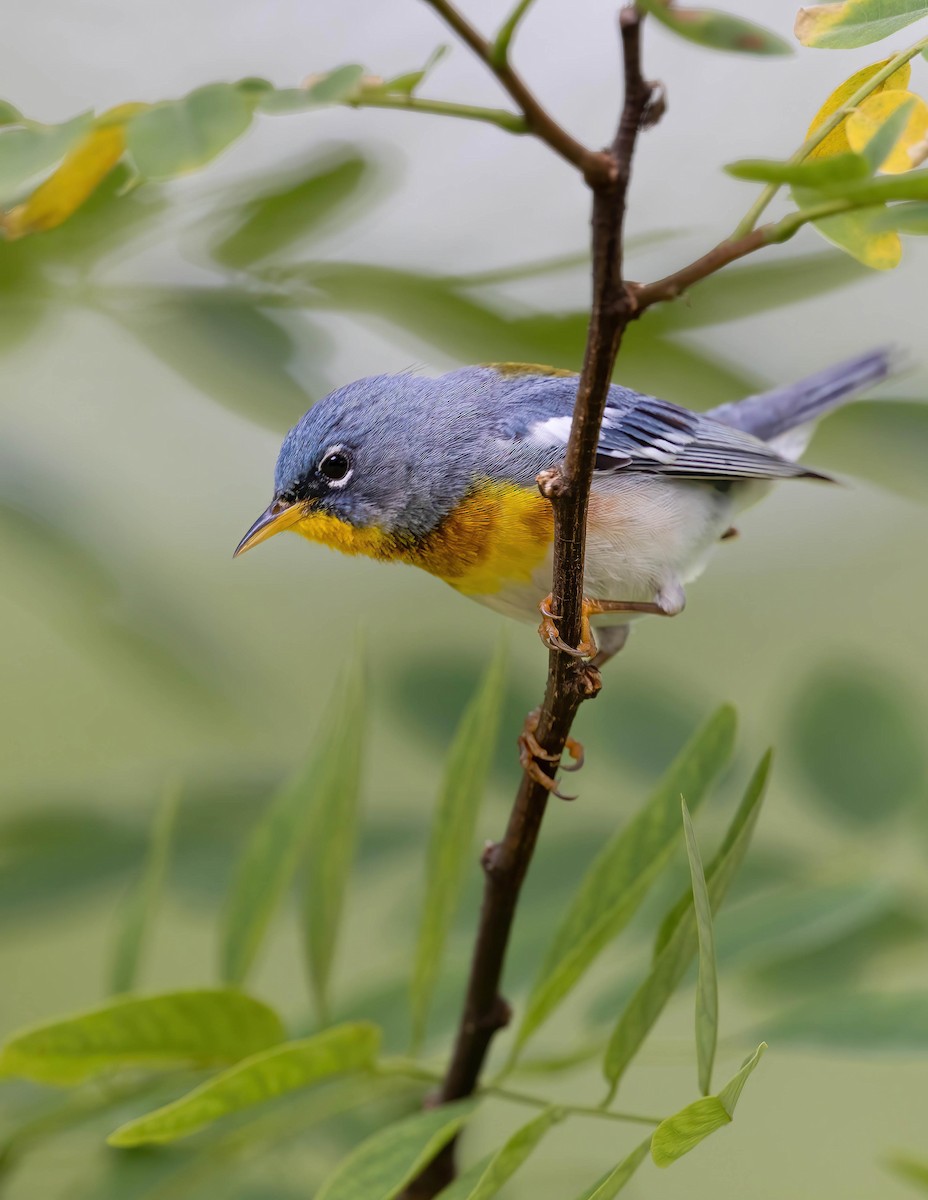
(441, 473)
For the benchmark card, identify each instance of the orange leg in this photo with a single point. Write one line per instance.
(531, 750)
(550, 635)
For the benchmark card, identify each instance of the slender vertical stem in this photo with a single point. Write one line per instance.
(570, 681)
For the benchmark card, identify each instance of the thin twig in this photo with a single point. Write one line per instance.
(411, 1069)
(570, 681)
(501, 117)
(591, 163)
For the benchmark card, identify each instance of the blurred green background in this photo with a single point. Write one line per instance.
(155, 349)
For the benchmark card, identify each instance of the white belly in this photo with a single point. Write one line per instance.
(647, 535)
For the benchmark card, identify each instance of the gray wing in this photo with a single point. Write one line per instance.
(642, 433)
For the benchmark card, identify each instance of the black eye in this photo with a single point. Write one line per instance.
(335, 466)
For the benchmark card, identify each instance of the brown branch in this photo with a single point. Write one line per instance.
(729, 251)
(593, 164)
(570, 681)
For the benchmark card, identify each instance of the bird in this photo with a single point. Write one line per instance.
(441, 473)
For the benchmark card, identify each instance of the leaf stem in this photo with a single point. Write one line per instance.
(499, 51)
(579, 1110)
(409, 1069)
(500, 117)
(757, 209)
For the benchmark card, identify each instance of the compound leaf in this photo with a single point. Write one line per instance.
(682, 1132)
(202, 1027)
(255, 1080)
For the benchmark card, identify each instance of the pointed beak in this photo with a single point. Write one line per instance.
(276, 517)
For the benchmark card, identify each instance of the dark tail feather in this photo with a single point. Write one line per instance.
(771, 414)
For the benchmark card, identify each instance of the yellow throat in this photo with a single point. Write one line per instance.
(497, 535)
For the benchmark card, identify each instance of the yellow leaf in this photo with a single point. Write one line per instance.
(864, 122)
(854, 233)
(836, 142)
(77, 177)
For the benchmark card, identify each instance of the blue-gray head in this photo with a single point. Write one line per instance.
(391, 452)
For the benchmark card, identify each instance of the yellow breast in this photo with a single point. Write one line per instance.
(497, 535)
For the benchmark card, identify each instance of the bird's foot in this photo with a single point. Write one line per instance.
(531, 751)
(551, 636)
(669, 602)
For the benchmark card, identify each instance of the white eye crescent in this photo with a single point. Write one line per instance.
(335, 466)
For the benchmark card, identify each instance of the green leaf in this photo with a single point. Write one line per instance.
(707, 983)
(852, 23)
(225, 346)
(256, 1080)
(813, 173)
(253, 87)
(178, 136)
(903, 218)
(910, 185)
(618, 879)
(201, 1027)
(681, 1133)
(912, 1170)
(435, 311)
(888, 1022)
(381, 1167)
(9, 115)
(407, 84)
(452, 841)
(678, 939)
(25, 153)
(461, 1187)
(786, 921)
(270, 858)
(297, 207)
(512, 1154)
(855, 232)
(756, 288)
(716, 30)
(855, 736)
(138, 911)
(335, 88)
(862, 231)
(334, 829)
(613, 1181)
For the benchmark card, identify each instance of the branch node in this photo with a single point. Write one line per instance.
(629, 16)
(489, 858)
(655, 105)
(590, 681)
(500, 1015)
(552, 483)
(600, 170)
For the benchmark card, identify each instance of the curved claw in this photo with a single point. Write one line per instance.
(551, 635)
(529, 744)
(535, 773)
(530, 750)
(545, 610)
(576, 752)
